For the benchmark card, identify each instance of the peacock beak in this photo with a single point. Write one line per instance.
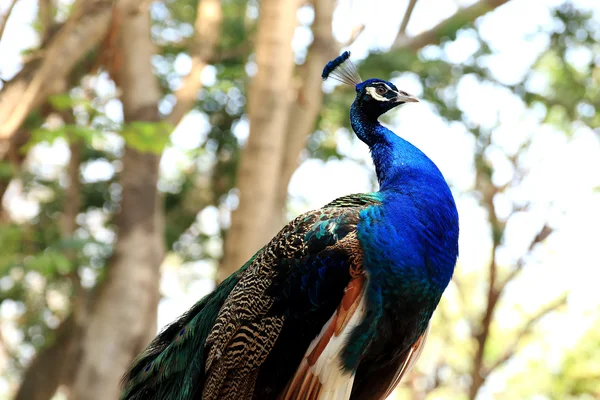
(405, 98)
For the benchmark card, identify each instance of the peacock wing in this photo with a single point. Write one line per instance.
(282, 301)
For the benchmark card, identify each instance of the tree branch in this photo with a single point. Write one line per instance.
(488, 191)
(406, 18)
(45, 18)
(6, 16)
(539, 238)
(524, 331)
(269, 100)
(356, 31)
(71, 208)
(208, 27)
(43, 76)
(447, 26)
(29, 95)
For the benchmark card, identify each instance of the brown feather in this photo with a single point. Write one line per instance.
(244, 332)
(304, 384)
(411, 357)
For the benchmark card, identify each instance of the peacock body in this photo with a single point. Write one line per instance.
(337, 305)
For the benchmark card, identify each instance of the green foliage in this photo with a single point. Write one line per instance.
(6, 171)
(147, 137)
(573, 91)
(48, 262)
(70, 133)
(579, 375)
(576, 377)
(237, 30)
(65, 102)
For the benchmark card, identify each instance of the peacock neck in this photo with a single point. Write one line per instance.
(420, 213)
(396, 160)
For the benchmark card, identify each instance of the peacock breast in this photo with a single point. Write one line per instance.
(410, 248)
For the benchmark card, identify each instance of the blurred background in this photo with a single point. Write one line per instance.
(148, 148)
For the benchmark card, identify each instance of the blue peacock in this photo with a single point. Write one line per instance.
(337, 305)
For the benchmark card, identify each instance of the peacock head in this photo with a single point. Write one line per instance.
(374, 97)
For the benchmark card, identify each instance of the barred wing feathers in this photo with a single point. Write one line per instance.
(282, 302)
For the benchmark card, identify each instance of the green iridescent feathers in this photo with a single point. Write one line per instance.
(174, 361)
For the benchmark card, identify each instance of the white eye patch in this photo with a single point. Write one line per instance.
(373, 93)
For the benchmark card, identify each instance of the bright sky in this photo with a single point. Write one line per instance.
(564, 170)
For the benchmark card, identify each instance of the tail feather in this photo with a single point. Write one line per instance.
(172, 366)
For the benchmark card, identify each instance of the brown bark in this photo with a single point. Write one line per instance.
(406, 19)
(73, 195)
(80, 303)
(307, 105)
(488, 192)
(45, 18)
(268, 107)
(123, 318)
(5, 17)
(53, 366)
(11, 152)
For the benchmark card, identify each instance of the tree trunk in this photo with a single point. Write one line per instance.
(268, 106)
(54, 365)
(42, 377)
(305, 110)
(123, 318)
(10, 151)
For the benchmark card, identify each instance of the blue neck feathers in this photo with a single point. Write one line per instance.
(398, 163)
(416, 200)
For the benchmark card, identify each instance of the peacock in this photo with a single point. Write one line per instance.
(337, 305)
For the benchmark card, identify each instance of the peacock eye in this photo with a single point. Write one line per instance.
(380, 90)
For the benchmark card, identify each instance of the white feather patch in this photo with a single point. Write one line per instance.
(373, 92)
(336, 383)
(320, 375)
